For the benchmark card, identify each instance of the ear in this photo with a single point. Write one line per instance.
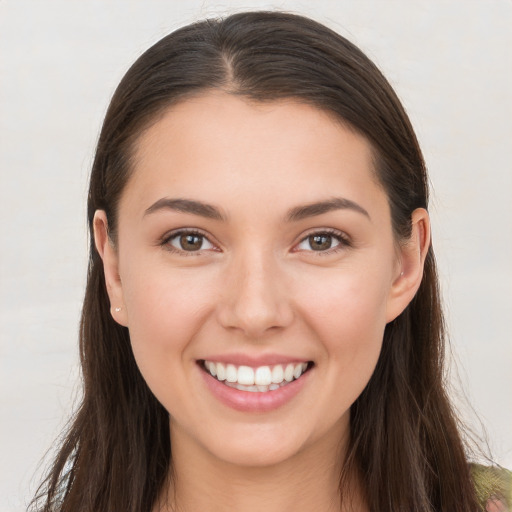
(409, 272)
(109, 255)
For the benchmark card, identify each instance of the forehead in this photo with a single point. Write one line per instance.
(220, 144)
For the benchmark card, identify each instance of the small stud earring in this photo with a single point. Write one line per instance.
(402, 273)
(118, 309)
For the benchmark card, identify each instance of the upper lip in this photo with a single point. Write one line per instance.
(254, 361)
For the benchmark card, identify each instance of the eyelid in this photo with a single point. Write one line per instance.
(342, 237)
(165, 239)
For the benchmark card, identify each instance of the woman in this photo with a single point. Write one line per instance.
(261, 326)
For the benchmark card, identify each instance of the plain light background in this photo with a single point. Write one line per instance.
(450, 62)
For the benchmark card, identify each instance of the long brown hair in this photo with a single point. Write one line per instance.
(405, 440)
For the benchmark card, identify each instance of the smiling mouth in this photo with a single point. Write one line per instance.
(260, 379)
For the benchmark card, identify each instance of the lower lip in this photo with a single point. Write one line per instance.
(248, 401)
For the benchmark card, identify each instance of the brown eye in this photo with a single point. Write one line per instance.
(190, 242)
(321, 242)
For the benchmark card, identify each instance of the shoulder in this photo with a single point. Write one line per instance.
(493, 487)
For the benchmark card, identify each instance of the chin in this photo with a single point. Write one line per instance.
(257, 454)
(249, 445)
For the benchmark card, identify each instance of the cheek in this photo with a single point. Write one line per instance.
(165, 310)
(347, 313)
(345, 301)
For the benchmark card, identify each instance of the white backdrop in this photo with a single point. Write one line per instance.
(450, 62)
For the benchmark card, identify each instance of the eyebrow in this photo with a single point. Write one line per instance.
(313, 209)
(186, 206)
(295, 214)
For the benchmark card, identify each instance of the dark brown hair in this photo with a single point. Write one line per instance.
(405, 441)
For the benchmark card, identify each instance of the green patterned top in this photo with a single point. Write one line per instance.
(493, 488)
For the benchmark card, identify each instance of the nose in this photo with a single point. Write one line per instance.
(254, 299)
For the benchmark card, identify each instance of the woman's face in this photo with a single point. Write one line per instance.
(254, 243)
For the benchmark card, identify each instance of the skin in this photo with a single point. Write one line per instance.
(257, 287)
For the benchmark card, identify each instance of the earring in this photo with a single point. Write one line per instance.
(117, 310)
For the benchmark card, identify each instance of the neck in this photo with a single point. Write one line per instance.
(310, 480)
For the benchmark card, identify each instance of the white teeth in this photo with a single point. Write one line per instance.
(254, 388)
(288, 373)
(221, 372)
(277, 374)
(245, 375)
(231, 373)
(212, 367)
(263, 376)
(261, 379)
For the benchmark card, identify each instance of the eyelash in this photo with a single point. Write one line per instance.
(165, 242)
(342, 238)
